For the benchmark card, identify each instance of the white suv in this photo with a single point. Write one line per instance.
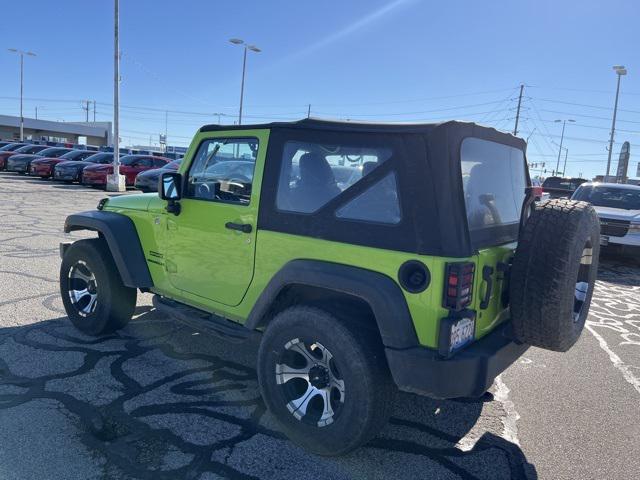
(618, 206)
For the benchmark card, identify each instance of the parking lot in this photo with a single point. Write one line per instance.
(162, 399)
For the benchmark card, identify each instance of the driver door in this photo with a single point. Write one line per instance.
(211, 243)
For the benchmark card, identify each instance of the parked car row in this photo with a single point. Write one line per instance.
(79, 164)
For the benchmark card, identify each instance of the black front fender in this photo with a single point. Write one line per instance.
(121, 236)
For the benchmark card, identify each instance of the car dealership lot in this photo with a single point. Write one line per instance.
(162, 399)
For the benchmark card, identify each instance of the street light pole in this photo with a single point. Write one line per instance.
(564, 123)
(116, 182)
(22, 54)
(253, 48)
(620, 71)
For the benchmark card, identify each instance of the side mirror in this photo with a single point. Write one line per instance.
(170, 189)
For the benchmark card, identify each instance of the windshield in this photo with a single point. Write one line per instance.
(77, 155)
(563, 183)
(612, 197)
(100, 158)
(494, 181)
(54, 152)
(30, 149)
(11, 147)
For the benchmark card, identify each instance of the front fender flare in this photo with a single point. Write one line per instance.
(122, 238)
(383, 295)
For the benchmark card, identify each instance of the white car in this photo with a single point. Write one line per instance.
(618, 207)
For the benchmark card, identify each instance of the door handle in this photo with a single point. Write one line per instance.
(486, 276)
(241, 227)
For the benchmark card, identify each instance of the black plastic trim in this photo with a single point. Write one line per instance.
(380, 292)
(122, 237)
(468, 373)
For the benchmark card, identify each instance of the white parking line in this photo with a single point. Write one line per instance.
(624, 368)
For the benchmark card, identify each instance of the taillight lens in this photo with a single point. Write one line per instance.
(458, 288)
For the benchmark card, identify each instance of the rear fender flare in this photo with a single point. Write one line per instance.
(380, 292)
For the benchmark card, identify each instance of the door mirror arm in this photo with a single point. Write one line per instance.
(174, 207)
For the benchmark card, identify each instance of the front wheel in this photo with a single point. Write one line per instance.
(325, 381)
(94, 297)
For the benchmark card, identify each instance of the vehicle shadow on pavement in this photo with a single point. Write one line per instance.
(165, 400)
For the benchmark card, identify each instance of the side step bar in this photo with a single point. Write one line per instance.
(201, 320)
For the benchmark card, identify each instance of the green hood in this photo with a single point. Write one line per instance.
(130, 202)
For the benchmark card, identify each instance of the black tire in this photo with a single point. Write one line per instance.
(114, 302)
(554, 273)
(357, 360)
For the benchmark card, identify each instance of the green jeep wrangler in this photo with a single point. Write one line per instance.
(368, 257)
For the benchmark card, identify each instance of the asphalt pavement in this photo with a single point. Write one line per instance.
(162, 399)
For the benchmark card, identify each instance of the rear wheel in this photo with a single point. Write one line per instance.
(94, 297)
(327, 383)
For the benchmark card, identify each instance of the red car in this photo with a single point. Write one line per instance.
(130, 166)
(43, 167)
(8, 150)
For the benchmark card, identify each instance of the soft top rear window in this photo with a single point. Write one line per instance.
(494, 181)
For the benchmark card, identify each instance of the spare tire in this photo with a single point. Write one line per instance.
(553, 274)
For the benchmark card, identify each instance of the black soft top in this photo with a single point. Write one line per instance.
(429, 173)
(376, 127)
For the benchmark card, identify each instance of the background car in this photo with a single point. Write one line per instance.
(130, 166)
(618, 207)
(43, 167)
(147, 181)
(71, 171)
(12, 148)
(558, 187)
(21, 163)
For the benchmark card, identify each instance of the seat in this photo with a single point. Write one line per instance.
(316, 185)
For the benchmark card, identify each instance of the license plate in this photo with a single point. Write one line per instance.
(604, 240)
(462, 332)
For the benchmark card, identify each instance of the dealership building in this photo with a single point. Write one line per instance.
(89, 133)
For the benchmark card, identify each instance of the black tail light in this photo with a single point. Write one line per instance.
(458, 288)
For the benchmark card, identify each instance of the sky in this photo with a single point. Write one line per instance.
(388, 60)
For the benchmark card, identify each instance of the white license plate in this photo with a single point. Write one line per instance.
(462, 332)
(604, 240)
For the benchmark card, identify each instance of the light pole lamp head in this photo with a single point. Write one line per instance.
(14, 50)
(253, 48)
(236, 41)
(620, 69)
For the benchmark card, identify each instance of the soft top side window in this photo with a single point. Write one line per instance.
(313, 174)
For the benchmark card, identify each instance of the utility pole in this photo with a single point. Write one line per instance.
(94, 111)
(309, 111)
(620, 71)
(166, 123)
(36, 112)
(564, 123)
(564, 168)
(115, 182)
(85, 107)
(515, 129)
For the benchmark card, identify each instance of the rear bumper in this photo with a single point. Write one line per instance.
(469, 373)
(65, 175)
(41, 170)
(92, 179)
(17, 167)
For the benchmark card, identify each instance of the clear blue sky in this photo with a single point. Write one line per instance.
(393, 60)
